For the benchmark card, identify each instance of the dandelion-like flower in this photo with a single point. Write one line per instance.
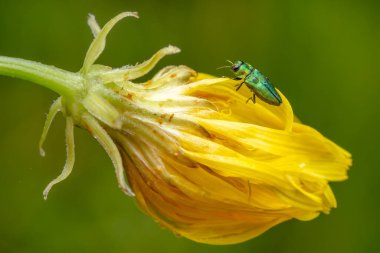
(199, 159)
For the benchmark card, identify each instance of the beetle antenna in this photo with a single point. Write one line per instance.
(223, 67)
(230, 62)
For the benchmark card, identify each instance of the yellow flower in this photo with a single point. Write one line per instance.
(199, 159)
(220, 171)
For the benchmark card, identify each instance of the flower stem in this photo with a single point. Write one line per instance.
(63, 82)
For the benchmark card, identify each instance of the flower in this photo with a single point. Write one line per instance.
(199, 159)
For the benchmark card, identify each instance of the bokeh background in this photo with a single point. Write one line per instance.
(322, 54)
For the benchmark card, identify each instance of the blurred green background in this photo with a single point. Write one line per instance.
(324, 55)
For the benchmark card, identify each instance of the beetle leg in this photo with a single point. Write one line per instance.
(237, 78)
(239, 86)
(253, 98)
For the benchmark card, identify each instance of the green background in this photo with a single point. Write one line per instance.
(323, 55)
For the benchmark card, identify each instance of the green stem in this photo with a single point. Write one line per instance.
(63, 82)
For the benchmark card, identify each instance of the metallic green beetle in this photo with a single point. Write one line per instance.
(256, 82)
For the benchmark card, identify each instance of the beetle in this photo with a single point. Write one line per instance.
(256, 82)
